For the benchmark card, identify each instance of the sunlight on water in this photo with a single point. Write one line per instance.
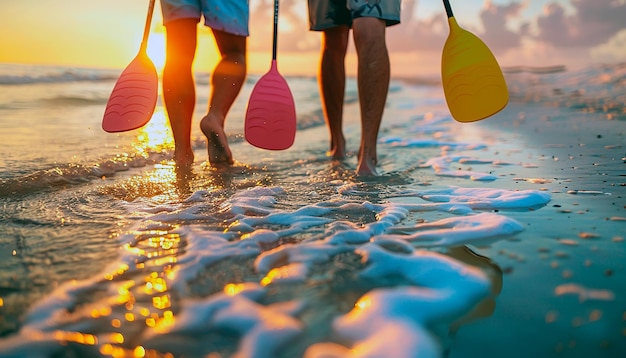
(286, 255)
(144, 302)
(163, 174)
(77, 337)
(162, 184)
(364, 302)
(154, 136)
(233, 289)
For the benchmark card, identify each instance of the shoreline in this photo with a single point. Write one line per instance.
(562, 277)
(567, 265)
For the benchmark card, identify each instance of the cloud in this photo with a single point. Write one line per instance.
(612, 50)
(567, 32)
(593, 23)
(294, 35)
(497, 34)
(293, 27)
(413, 34)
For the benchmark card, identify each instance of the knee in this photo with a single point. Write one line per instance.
(235, 63)
(235, 55)
(369, 31)
(178, 57)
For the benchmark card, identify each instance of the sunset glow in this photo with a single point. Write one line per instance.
(537, 33)
(156, 50)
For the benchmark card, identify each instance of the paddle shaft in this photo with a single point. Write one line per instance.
(446, 4)
(146, 30)
(275, 36)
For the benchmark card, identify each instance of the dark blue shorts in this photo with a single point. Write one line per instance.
(324, 14)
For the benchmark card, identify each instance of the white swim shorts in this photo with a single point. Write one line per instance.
(225, 15)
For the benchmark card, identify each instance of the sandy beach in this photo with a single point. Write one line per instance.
(501, 238)
(566, 268)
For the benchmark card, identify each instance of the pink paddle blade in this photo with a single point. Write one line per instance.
(271, 115)
(133, 98)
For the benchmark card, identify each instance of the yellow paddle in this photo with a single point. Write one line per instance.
(472, 80)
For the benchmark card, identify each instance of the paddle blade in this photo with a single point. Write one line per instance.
(133, 98)
(473, 82)
(271, 114)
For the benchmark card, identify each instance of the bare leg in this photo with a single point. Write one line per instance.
(178, 85)
(226, 82)
(332, 82)
(373, 84)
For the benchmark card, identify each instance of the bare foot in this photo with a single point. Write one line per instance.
(337, 150)
(217, 143)
(183, 158)
(367, 164)
(366, 169)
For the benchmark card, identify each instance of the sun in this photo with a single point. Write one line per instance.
(156, 49)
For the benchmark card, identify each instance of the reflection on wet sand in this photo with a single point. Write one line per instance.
(487, 306)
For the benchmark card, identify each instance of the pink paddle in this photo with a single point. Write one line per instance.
(271, 115)
(134, 96)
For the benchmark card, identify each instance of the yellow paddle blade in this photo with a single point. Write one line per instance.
(472, 80)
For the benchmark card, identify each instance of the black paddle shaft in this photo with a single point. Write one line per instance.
(275, 29)
(446, 4)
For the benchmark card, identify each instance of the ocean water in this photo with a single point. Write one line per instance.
(498, 238)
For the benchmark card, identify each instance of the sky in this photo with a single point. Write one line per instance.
(107, 33)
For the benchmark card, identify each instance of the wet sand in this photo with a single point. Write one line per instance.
(564, 277)
(557, 287)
